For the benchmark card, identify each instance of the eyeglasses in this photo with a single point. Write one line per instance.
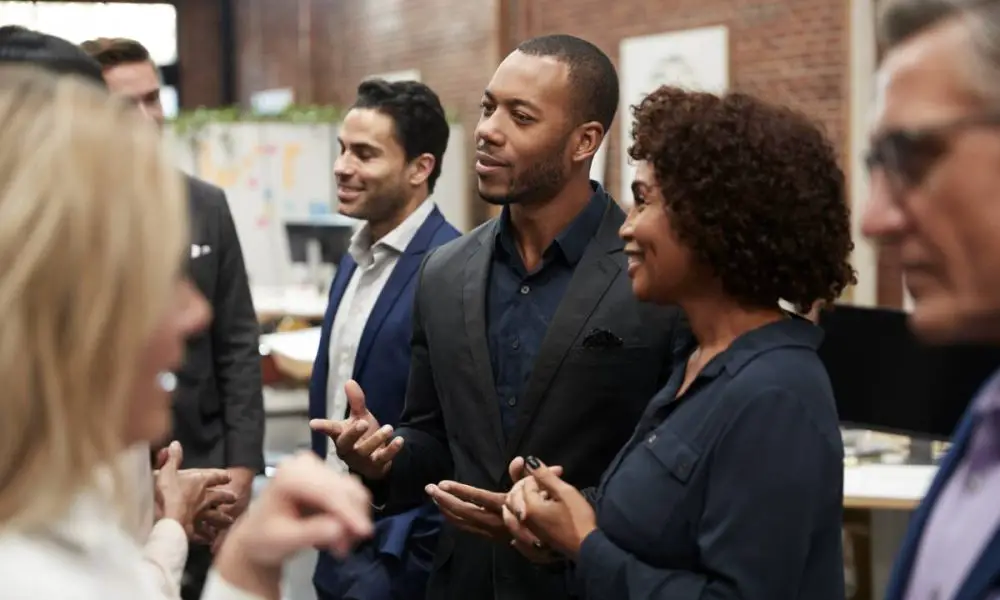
(907, 155)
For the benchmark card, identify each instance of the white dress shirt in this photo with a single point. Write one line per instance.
(375, 264)
(88, 555)
(164, 544)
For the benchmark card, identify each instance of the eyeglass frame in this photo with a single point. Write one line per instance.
(889, 149)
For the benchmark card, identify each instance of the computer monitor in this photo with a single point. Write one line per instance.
(885, 379)
(334, 238)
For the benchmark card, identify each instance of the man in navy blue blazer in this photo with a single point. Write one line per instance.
(391, 145)
(935, 149)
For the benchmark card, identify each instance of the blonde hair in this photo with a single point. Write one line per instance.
(92, 232)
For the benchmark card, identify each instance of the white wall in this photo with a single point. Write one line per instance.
(862, 93)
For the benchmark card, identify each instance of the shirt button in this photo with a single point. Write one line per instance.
(525, 289)
(512, 401)
(972, 483)
(934, 595)
(515, 343)
(651, 438)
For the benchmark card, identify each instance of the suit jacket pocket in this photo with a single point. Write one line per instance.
(652, 490)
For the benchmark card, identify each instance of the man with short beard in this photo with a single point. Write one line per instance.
(392, 144)
(527, 339)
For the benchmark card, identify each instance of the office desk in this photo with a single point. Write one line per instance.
(886, 487)
(878, 502)
(293, 352)
(300, 302)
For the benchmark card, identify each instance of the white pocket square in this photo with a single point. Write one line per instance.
(200, 250)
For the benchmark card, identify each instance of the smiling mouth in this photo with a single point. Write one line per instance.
(349, 193)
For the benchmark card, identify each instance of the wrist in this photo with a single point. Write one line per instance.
(233, 565)
(574, 552)
(177, 513)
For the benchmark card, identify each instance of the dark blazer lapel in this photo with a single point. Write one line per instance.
(321, 365)
(406, 267)
(476, 276)
(985, 573)
(592, 278)
(899, 580)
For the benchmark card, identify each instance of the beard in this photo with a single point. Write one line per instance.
(539, 182)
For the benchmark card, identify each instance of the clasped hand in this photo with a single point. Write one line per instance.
(484, 513)
(543, 507)
(192, 497)
(365, 448)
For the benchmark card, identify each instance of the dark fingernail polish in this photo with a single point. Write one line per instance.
(533, 462)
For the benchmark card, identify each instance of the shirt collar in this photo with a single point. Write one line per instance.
(572, 241)
(361, 248)
(794, 331)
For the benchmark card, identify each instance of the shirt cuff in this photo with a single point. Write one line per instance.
(217, 588)
(167, 545)
(598, 561)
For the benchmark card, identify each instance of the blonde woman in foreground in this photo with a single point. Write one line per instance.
(92, 238)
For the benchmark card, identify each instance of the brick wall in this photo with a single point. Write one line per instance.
(793, 51)
(199, 53)
(324, 48)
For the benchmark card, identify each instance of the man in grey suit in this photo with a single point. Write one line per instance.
(526, 338)
(218, 405)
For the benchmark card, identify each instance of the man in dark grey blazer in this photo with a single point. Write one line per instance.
(527, 338)
(218, 405)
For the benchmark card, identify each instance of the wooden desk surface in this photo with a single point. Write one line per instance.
(300, 302)
(886, 487)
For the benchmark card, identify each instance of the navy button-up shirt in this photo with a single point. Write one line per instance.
(520, 305)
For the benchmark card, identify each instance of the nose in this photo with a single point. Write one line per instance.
(883, 217)
(627, 229)
(487, 133)
(342, 166)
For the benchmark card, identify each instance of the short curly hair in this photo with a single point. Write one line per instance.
(753, 189)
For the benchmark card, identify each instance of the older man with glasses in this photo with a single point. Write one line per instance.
(935, 198)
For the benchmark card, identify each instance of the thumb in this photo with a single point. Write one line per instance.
(547, 478)
(175, 456)
(516, 469)
(355, 399)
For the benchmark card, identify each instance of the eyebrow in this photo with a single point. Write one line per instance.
(513, 102)
(359, 146)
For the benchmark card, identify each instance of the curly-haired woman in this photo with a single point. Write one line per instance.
(731, 487)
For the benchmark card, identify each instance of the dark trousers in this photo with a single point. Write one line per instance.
(199, 561)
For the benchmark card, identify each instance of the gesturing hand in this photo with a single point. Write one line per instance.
(366, 448)
(472, 509)
(305, 505)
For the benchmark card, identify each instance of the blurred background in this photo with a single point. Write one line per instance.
(254, 90)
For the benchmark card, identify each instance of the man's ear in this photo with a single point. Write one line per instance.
(420, 169)
(588, 138)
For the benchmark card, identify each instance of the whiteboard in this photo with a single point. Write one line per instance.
(696, 59)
